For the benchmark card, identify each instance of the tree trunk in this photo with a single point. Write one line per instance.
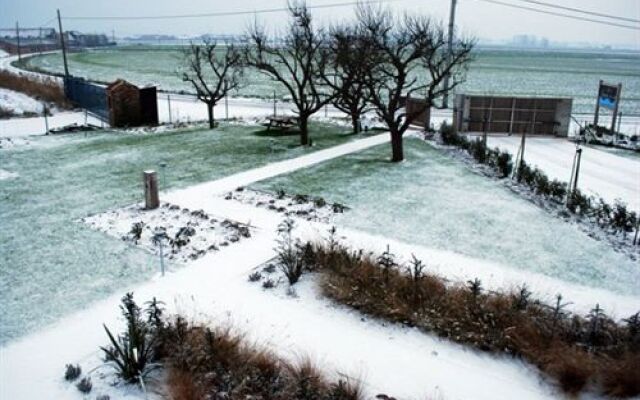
(304, 130)
(355, 122)
(397, 153)
(210, 111)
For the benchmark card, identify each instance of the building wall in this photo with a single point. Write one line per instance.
(504, 114)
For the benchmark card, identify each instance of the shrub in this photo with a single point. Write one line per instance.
(479, 151)
(450, 137)
(288, 252)
(558, 190)
(131, 352)
(44, 89)
(136, 231)
(319, 202)
(622, 220)
(255, 276)
(85, 385)
(72, 372)
(504, 163)
(578, 203)
(268, 284)
(205, 361)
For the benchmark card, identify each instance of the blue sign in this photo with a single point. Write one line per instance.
(608, 96)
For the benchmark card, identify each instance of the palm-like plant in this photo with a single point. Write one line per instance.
(131, 352)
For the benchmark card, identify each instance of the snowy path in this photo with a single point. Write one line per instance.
(204, 191)
(607, 175)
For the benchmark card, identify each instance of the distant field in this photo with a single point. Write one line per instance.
(539, 73)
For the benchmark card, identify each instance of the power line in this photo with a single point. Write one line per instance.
(223, 13)
(581, 11)
(557, 14)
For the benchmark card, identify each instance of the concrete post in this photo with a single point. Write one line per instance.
(151, 197)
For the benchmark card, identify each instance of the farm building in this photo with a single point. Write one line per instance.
(506, 114)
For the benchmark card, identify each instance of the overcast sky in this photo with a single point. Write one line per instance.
(476, 17)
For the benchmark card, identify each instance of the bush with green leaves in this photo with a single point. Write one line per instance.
(131, 352)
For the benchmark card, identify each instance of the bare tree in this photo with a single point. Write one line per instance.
(347, 72)
(296, 63)
(213, 72)
(407, 56)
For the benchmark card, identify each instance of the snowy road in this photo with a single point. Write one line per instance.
(601, 173)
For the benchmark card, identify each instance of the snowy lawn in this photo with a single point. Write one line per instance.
(50, 263)
(435, 201)
(602, 173)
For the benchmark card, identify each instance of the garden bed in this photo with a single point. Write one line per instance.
(187, 234)
(296, 205)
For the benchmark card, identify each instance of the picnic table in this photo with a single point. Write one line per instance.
(282, 123)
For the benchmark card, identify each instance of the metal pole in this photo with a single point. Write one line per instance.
(522, 145)
(452, 17)
(615, 115)
(575, 179)
(62, 45)
(46, 121)
(485, 125)
(169, 105)
(226, 107)
(619, 120)
(18, 41)
(597, 113)
(161, 259)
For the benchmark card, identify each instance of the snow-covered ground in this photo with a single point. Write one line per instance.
(23, 127)
(4, 174)
(19, 103)
(389, 359)
(602, 174)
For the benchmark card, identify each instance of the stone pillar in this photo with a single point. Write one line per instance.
(151, 197)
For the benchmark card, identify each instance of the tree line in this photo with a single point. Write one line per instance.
(371, 64)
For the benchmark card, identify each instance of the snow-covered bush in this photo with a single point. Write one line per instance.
(72, 372)
(85, 385)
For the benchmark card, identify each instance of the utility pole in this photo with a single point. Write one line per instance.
(452, 18)
(62, 45)
(18, 41)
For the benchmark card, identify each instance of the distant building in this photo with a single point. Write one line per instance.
(46, 39)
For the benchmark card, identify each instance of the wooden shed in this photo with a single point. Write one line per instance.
(131, 106)
(418, 108)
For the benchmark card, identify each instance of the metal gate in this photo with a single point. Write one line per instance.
(87, 95)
